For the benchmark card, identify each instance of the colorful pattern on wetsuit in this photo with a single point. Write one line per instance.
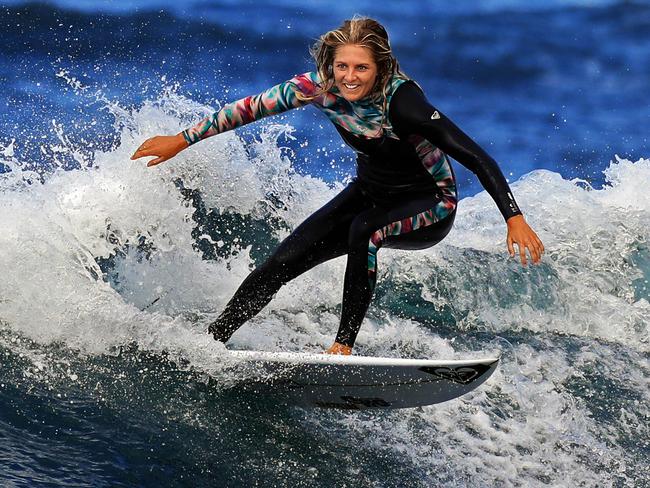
(275, 100)
(437, 164)
(363, 118)
(404, 226)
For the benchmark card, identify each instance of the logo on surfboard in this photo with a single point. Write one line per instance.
(462, 375)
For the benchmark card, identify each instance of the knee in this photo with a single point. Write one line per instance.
(287, 257)
(362, 236)
(289, 252)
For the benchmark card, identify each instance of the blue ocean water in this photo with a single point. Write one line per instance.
(109, 272)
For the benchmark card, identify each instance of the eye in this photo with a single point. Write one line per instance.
(363, 68)
(341, 66)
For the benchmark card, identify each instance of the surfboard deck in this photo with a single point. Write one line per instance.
(361, 382)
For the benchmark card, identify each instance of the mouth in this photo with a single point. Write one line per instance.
(351, 86)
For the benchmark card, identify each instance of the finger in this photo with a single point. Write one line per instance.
(143, 149)
(539, 247)
(522, 254)
(141, 152)
(156, 161)
(511, 249)
(534, 253)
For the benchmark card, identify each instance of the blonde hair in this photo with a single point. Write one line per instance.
(360, 31)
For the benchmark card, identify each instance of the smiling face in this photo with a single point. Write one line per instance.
(355, 71)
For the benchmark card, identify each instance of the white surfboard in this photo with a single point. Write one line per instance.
(360, 382)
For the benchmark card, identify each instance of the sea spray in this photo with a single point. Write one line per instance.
(106, 293)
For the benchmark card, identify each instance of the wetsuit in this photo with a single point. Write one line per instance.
(404, 195)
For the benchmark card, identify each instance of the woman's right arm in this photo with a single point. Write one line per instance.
(275, 100)
(163, 147)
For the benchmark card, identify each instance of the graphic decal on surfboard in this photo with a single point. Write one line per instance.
(462, 374)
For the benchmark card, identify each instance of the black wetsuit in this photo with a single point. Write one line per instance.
(404, 195)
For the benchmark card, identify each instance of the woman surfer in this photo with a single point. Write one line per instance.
(404, 195)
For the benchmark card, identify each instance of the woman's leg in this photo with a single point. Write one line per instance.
(416, 224)
(323, 236)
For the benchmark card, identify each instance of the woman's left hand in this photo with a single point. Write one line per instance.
(520, 233)
(337, 348)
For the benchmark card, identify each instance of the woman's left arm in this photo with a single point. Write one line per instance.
(411, 111)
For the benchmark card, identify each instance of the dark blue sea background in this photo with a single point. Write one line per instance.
(110, 272)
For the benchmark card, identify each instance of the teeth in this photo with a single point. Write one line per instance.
(350, 87)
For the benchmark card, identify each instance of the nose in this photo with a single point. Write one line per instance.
(349, 75)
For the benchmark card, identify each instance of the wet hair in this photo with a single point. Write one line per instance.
(360, 31)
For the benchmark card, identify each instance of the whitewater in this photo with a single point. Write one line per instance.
(110, 273)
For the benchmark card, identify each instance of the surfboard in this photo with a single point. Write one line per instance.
(362, 382)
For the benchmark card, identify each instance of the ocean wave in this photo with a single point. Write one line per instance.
(111, 271)
(186, 233)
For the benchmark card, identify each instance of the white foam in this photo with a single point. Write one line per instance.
(54, 231)
(524, 424)
(586, 282)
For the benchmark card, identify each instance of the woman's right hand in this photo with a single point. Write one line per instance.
(163, 147)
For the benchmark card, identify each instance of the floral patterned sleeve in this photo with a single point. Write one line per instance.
(275, 100)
